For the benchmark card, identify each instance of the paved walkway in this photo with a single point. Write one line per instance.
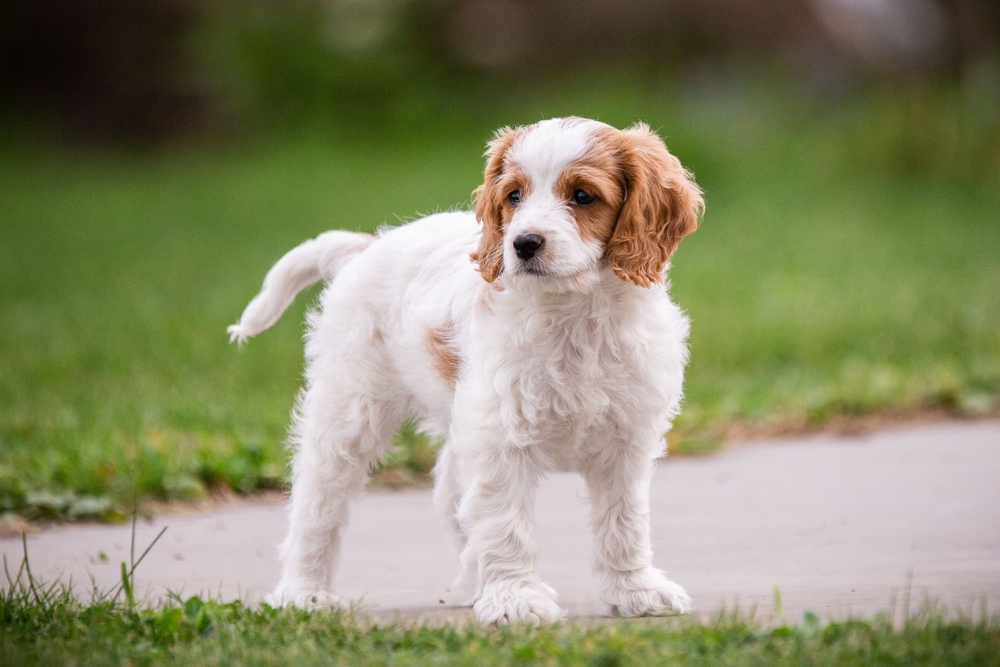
(838, 525)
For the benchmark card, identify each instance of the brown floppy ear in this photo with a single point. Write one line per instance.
(489, 206)
(662, 204)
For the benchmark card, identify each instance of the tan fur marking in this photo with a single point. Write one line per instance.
(599, 175)
(492, 208)
(662, 205)
(446, 362)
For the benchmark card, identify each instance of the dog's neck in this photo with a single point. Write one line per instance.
(599, 295)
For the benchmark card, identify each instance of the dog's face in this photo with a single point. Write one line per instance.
(562, 197)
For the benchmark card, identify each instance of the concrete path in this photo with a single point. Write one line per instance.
(839, 525)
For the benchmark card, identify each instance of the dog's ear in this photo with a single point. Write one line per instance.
(489, 206)
(662, 205)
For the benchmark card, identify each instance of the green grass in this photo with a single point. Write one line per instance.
(847, 264)
(207, 633)
(47, 625)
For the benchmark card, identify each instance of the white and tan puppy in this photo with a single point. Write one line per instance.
(533, 336)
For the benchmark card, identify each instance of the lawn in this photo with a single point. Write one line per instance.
(847, 265)
(46, 625)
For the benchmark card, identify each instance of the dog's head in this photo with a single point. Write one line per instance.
(563, 197)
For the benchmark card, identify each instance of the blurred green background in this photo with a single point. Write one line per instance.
(156, 158)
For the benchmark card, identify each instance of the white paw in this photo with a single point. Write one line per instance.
(646, 592)
(306, 600)
(505, 603)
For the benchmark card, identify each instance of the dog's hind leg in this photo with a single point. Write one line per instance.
(343, 423)
(448, 491)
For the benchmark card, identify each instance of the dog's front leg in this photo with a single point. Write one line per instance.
(618, 485)
(497, 514)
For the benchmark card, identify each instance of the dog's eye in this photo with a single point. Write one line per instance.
(582, 198)
(514, 197)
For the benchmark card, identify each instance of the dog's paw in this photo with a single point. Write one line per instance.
(646, 592)
(306, 600)
(505, 603)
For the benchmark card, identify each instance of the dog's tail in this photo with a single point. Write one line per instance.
(319, 259)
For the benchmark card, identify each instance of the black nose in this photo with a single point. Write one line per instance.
(526, 245)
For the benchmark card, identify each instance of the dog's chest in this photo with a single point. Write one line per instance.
(567, 379)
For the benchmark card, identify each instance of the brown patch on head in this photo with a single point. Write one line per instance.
(661, 203)
(599, 175)
(446, 362)
(493, 210)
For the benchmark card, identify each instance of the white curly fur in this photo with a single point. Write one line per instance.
(575, 371)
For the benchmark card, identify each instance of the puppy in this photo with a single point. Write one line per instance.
(532, 336)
